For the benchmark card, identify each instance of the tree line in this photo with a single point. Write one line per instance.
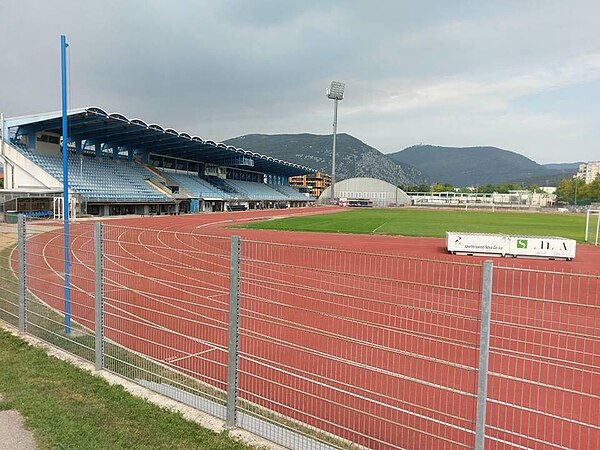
(574, 191)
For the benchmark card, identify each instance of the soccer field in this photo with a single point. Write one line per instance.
(432, 223)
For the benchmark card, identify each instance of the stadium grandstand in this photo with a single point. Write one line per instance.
(121, 166)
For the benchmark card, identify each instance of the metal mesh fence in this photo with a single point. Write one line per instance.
(377, 350)
(325, 348)
(9, 288)
(45, 297)
(544, 378)
(165, 312)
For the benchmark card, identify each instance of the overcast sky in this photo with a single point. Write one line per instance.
(521, 75)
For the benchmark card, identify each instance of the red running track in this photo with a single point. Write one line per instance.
(352, 390)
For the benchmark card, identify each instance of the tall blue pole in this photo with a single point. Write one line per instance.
(65, 134)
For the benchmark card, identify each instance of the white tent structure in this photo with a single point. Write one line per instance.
(371, 191)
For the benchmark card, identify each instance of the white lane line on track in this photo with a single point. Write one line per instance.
(143, 294)
(240, 219)
(181, 358)
(43, 254)
(193, 257)
(252, 282)
(214, 223)
(210, 286)
(161, 255)
(161, 269)
(61, 274)
(209, 344)
(219, 293)
(280, 272)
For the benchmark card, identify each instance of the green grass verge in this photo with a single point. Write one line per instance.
(68, 408)
(9, 309)
(431, 223)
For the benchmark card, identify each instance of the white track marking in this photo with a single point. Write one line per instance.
(142, 320)
(192, 355)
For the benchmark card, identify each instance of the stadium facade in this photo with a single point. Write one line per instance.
(119, 166)
(366, 191)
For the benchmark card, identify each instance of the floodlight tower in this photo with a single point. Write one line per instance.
(335, 92)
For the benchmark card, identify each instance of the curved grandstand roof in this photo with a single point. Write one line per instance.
(95, 124)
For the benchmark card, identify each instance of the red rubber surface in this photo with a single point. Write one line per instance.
(566, 333)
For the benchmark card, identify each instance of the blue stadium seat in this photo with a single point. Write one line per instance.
(256, 191)
(105, 178)
(196, 186)
(99, 178)
(289, 191)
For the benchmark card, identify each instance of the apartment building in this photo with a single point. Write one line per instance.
(588, 171)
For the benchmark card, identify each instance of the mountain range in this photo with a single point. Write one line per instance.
(563, 166)
(418, 164)
(354, 158)
(470, 166)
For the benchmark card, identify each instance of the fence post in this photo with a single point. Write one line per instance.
(484, 353)
(233, 336)
(21, 240)
(99, 293)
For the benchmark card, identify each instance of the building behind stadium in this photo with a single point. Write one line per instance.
(588, 171)
(312, 184)
(365, 192)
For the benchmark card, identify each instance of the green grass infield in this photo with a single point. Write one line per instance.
(432, 223)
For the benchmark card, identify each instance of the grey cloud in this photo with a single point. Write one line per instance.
(224, 68)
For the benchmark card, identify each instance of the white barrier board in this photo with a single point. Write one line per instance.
(477, 243)
(546, 247)
(510, 245)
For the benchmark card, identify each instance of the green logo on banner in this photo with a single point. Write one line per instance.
(521, 243)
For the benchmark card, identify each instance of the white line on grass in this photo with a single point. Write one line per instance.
(379, 227)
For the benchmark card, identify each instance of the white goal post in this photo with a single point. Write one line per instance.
(587, 224)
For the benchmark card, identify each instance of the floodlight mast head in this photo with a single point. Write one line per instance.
(336, 91)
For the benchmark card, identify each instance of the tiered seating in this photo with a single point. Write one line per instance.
(289, 191)
(100, 178)
(196, 186)
(107, 179)
(225, 187)
(258, 191)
